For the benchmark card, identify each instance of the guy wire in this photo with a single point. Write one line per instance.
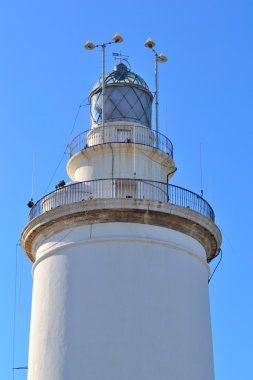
(66, 148)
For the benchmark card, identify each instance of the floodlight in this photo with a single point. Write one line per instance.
(30, 204)
(162, 58)
(149, 43)
(89, 45)
(117, 38)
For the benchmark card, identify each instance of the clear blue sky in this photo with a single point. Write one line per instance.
(205, 98)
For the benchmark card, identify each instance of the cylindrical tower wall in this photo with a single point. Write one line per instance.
(120, 301)
(120, 161)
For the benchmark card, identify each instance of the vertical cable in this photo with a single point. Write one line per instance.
(156, 99)
(14, 311)
(134, 154)
(103, 91)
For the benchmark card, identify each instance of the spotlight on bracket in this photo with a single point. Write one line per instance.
(60, 184)
(30, 204)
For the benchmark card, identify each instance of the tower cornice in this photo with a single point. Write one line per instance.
(181, 219)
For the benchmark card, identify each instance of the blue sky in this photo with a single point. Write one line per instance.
(205, 99)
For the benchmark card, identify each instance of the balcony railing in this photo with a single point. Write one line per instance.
(121, 134)
(121, 188)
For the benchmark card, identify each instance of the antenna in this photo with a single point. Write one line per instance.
(166, 120)
(209, 188)
(32, 195)
(30, 204)
(201, 174)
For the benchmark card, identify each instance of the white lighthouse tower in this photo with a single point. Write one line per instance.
(120, 256)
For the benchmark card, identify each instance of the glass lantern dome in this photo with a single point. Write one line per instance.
(127, 98)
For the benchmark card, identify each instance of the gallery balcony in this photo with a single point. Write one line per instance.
(121, 133)
(122, 188)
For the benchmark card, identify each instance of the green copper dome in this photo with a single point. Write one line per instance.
(121, 75)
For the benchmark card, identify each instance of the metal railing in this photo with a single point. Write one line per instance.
(122, 188)
(121, 134)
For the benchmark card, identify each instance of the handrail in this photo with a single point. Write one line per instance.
(121, 188)
(121, 134)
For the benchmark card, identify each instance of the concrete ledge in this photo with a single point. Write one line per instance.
(125, 210)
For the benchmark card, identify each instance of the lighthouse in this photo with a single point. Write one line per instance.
(120, 255)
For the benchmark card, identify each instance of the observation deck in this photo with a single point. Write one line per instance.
(123, 188)
(121, 198)
(124, 200)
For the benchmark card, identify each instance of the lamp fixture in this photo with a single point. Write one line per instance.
(30, 204)
(117, 38)
(149, 43)
(161, 58)
(89, 45)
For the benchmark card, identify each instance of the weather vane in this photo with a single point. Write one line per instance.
(122, 57)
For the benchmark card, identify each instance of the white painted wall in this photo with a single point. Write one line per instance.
(120, 301)
(120, 161)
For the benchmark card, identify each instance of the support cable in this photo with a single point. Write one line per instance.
(25, 367)
(216, 267)
(67, 146)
